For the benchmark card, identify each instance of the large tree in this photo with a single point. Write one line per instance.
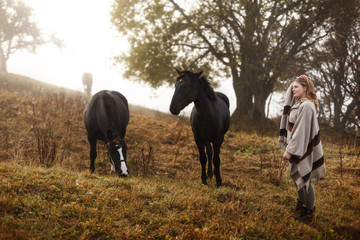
(17, 30)
(335, 65)
(254, 42)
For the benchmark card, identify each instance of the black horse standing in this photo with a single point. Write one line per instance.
(106, 117)
(210, 117)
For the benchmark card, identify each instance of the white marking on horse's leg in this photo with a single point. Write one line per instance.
(112, 166)
(124, 169)
(121, 154)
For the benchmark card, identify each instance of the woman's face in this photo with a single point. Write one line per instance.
(298, 90)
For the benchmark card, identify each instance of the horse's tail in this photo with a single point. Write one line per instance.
(224, 98)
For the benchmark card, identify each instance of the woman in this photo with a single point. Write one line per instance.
(300, 135)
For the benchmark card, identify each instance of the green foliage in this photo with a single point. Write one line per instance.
(161, 40)
(256, 43)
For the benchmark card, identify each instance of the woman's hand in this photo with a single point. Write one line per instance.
(286, 156)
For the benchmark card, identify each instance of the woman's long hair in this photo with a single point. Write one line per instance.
(310, 89)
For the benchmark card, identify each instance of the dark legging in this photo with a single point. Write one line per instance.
(307, 197)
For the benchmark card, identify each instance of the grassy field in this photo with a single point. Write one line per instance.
(47, 192)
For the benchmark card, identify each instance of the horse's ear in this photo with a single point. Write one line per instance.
(198, 74)
(178, 72)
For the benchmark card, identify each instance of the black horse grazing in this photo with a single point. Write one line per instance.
(210, 117)
(106, 117)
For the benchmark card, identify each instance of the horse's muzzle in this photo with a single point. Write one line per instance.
(174, 110)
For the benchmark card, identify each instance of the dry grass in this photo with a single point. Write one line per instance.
(47, 192)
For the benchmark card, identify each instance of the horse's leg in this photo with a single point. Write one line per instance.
(92, 153)
(217, 164)
(124, 148)
(124, 151)
(202, 157)
(209, 157)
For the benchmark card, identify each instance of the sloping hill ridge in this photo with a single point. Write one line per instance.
(47, 192)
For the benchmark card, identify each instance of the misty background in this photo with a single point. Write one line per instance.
(90, 44)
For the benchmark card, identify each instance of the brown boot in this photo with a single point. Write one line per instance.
(306, 215)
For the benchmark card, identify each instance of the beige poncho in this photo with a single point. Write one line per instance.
(299, 133)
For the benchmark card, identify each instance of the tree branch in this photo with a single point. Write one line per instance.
(197, 30)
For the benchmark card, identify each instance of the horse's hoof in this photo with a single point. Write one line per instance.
(218, 185)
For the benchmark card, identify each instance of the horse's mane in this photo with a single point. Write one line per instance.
(205, 83)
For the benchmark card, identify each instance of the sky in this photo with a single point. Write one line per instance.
(90, 43)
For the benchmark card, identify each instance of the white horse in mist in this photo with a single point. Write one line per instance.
(87, 80)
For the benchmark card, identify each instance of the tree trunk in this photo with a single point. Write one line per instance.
(338, 98)
(347, 113)
(243, 98)
(258, 108)
(3, 66)
(337, 115)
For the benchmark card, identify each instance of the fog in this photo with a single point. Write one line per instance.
(90, 43)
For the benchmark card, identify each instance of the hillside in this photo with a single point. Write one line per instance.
(47, 192)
